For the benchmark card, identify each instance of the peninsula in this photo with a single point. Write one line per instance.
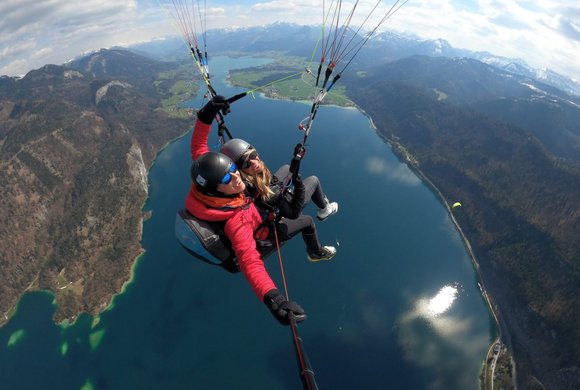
(76, 142)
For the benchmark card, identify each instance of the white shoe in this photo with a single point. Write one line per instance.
(330, 209)
(326, 253)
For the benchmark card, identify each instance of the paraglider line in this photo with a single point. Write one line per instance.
(281, 263)
(306, 371)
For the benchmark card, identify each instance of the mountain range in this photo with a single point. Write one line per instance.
(385, 46)
(503, 141)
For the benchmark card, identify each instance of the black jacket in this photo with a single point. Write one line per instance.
(289, 206)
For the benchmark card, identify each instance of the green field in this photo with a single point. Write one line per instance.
(287, 78)
(180, 87)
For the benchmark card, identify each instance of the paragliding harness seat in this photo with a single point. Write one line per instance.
(207, 241)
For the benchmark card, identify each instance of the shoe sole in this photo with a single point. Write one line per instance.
(317, 260)
(325, 218)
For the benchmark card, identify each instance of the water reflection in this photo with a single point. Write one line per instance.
(392, 172)
(434, 335)
(441, 302)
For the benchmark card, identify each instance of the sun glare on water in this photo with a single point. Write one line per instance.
(441, 302)
(438, 332)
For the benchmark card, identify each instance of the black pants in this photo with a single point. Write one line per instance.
(312, 187)
(288, 228)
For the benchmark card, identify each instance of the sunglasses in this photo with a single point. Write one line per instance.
(246, 163)
(228, 177)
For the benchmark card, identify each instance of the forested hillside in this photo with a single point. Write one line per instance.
(520, 212)
(75, 145)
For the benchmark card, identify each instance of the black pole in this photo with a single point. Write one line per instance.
(306, 371)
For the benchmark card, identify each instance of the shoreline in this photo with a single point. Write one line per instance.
(145, 216)
(98, 309)
(404, 156)
(399, 150)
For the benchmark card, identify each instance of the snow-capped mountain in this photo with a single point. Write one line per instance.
(406, 45)
(519, 67)
(383, 47)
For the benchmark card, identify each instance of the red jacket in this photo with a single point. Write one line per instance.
(240, 223)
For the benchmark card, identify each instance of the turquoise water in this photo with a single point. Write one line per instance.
(398, 308)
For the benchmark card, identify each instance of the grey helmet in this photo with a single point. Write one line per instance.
(235, 149)
(209, 170)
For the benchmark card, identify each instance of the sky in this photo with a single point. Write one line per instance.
(544, 33)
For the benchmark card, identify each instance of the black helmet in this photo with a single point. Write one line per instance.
(235, 149)
(209, 170)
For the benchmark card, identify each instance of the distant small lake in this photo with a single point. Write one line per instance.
(398, 308)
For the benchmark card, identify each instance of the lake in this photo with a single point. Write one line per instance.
(397, 308)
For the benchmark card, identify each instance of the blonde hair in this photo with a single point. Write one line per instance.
(260, 181)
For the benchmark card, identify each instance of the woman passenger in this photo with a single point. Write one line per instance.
(266, 188)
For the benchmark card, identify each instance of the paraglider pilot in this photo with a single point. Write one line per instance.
(217, 194)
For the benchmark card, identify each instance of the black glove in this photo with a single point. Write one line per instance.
(294, 166)
(207, 113)
(299, 151)
(282, 309)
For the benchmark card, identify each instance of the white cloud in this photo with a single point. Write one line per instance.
(538, 32)
(274, 6)
(441, 340)
(392, 172)
(35, 33)
(545, 33)
(43, 53)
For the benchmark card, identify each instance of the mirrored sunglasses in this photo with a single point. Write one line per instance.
(228, 177)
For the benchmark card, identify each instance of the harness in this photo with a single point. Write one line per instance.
(207, 241)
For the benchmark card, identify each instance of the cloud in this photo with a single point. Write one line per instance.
(569, 29)
(392, 172)
(25, 46)
(531, 30)
(509, 21)
(14, 67)
(542, 32)
(274, 6)
(52, 31)
(43, 53)
(442, 341)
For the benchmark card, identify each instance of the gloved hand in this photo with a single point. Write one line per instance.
(299, 151)
(294, 167)
(207, 113)
(282, 309)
